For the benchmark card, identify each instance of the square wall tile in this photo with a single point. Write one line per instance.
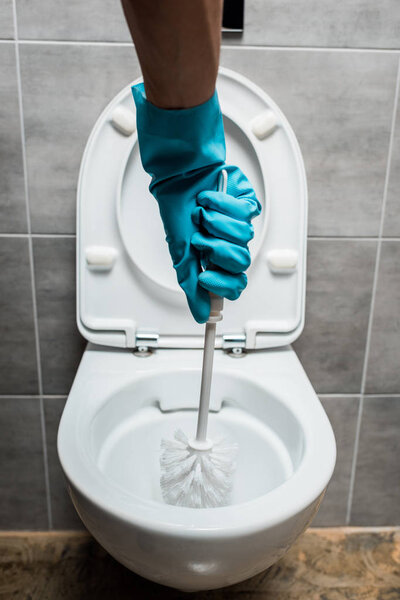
(6, 20)
(22, 483)
(342, 413)
(383, 374)
(12, 192)
(376, 499)
(340, 106)
(62, 509)
(354, 23)
(339, 287)
(97, 20)
(64, 90)
(61, 345)
(17, 349)
(392, 213)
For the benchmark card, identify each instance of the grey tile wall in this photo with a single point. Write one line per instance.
(384, 357)
(98, 20)
(340, 106)
(12, 194)
(392, 212)
(340, 103)
(18, 373)
(354, 23)
(22, 482)
(6, 20)
(339, 290)
(377, 481)
(61, 345)
(342, 413)
(64, 515)
(64, 90)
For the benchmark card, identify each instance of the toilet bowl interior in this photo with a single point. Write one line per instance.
(126, 432)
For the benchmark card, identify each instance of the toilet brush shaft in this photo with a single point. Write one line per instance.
(216, 306)
(208, 358)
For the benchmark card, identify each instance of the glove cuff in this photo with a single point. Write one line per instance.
(174, 142)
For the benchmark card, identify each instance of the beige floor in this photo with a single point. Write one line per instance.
(325, 564)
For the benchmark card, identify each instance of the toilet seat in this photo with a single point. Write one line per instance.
(126, 283)
(105, 373)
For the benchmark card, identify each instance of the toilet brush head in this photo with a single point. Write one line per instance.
(197, 478)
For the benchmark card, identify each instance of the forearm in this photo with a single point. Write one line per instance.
(178, 43)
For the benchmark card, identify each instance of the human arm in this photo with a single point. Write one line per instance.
(182, 146)
(178, 44)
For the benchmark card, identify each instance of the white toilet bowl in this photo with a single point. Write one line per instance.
(119, 408)
(139, 378)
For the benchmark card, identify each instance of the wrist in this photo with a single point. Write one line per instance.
(183, 136)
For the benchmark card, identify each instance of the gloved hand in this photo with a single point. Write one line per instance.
(184, 152)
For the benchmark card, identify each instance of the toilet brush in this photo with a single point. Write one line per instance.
(198, 472)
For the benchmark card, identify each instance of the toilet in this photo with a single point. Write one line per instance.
(139, 378)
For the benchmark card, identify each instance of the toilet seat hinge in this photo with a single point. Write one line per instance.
(234, 344)
(145, 342)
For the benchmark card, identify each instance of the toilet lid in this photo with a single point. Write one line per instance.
(127, 287)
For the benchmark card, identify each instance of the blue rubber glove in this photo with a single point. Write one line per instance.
(184, 152)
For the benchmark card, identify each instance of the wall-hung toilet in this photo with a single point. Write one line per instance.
(139, 377)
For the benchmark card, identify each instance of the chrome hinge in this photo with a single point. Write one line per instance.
(145, 342)
(234, 343)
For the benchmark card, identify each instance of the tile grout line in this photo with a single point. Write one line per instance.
(35, 396)
(352, 238)
(314, 238)
(324, 395)
(224, 46)
(308, 48)
(381, 227)
(373, 298)
(335, 395)
(39, 235)
(32, 274)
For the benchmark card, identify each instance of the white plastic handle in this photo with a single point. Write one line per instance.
(217, 304)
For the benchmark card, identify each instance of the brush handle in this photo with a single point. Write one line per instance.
(207, 369)
(216, 306)
(204, 405)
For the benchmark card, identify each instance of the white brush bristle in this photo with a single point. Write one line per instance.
(196, 478)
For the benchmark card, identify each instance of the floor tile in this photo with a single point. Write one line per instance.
(323, 564)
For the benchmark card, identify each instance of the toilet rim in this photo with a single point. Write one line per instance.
(228, 521)
(278, 505)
